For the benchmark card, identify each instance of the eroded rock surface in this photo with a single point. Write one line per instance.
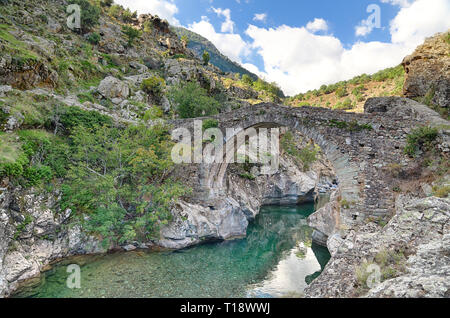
(428, 70)
(418, 235)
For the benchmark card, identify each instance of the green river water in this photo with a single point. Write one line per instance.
(276, 259)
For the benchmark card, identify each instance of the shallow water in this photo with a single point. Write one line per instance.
(276, 259)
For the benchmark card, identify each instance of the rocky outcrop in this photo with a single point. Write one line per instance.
(412, 252)
(227, 216)
(33, 235)
(428, 70)
(113, 88)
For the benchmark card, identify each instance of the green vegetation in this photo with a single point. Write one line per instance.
(271, 89)
(119, 178)
(246, 79)
(307, 155)
(390, 262)
(420, 139)
(210, 123)
(193, 101)
(199, 44)
(90, 14)
(153, 85)
(94, 38)
(206, 57)
(22, 226)
(395, 74)
(131, 33)
(341, 91)
(347, 104)
(247, 176)
(153, 113)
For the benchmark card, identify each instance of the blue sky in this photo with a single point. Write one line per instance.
(302, 44)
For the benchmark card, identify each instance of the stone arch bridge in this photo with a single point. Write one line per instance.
(360, 146)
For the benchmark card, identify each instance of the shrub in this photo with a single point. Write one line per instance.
(206, 57)
(421, 138)
(210, 123)
(115, 11)
(128, 16)
(347, 104)
(90, 14)
(306, 155)
(94, 38)
(341, 92)
(153, 85)
(131, 34)
(246, 79)
(185, 40)
(70, 117)
(193, 101)
(153, 113)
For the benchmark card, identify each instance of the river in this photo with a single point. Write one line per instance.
(276, 259)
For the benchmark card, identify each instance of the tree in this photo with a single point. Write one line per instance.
(206, 57)
(193, 101)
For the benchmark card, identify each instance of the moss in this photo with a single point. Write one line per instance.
(441, 191)
(247, 176)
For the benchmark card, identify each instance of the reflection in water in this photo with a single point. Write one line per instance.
(274, 260)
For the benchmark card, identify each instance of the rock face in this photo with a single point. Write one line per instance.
(112, 88)
(428, 70)
(417, 238)
(32, 236)
(229, 214)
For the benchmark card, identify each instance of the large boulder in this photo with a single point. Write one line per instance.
(404, 107)
(113, 88)
(428, 70)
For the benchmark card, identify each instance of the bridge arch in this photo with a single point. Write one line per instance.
(357, 145)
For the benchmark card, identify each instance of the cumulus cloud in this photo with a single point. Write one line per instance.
(299, 60)
(228, 25)
(260, 17)
(165, 9)
(317, 25)
(420, 19)
(230, 44)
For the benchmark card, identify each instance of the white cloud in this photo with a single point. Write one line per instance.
(317, 25)
(260, 17)
(421, 19)
(401, 3)
(232, 45)
(299, 60)
(228, 25)
(364, 28)
(165, 9)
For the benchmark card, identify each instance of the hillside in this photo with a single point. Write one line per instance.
(199, 44)
(351, 95)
